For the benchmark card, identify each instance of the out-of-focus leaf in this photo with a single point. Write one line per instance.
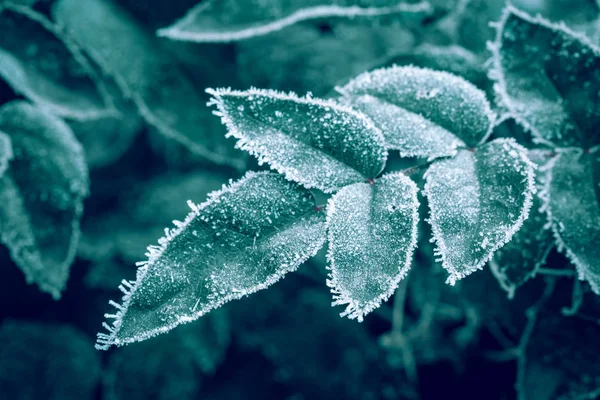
(230, 20)
(423, 113)
(316, 143)
(478, 201)
(573, 206)
(372, 232)
(548, 77)
(243, 239)
(46, 361)
(41, 195)
(170, 366)
(6, 152)
(163, 94)
(41, 63)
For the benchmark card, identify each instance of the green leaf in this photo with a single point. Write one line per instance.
(41, 195)
(372, 232)
(316, 143)
(231, 20)
(518, 261)
(170, 366)
(573, 207)
(41, 63)
(163, 94)
(422, 113)
(548, 77)
(6, 152)
(243, 239)
(59, 359)
(478, 201)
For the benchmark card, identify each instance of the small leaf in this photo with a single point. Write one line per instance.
(243, 239)
(422, 113)
(231, 20)
(46, 361)
(316, 143)
(372, 232)
(477, 202)
(6, 152)
(39, 62)
(163, 94)
(41, 195)
(573, 208)
(548, 77)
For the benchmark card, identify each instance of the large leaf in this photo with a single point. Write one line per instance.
(41, 195)
(6, 152)
(572, 195)
(422, 113)
(229, 20)
(59, 359)
(478, 201)
(163, 94)
(243, 239)
(39, 62)
(372, 232)
(317, 143)
(549, 78)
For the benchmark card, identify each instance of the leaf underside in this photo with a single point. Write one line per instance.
(477, 202)
(39, 62)
(549, 78)
(41, 195)
(372, 232)
(422, 112)
(243, 239)
(300, 137)
(574, 211)
(232, 20)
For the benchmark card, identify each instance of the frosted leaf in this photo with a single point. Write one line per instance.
(169, 366)
(422, 113)
(6, 152)
(478, 201)
(39, 62)
(519, 260)
(372, 232)
(46, 361)
(316, 143)
(231, 20)
(560, 360)
(548, 77)
(164, 96)
(242, 240)
(41, 195)
(574, 211)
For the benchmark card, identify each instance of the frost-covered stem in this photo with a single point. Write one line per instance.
(504, 341)
(399, 301)
(503, 355)
(576, 299)
(556, 272)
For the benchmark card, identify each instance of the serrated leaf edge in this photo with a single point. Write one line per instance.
(174, 31)
(342, 297)
(244, 143)
(437, 236)
(104, 341)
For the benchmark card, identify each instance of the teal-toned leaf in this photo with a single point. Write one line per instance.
(518, 261)
(548, 77)
(41, 195)
(421, 112)
(316, 143)
(372, 232)
(478, 201)
(559, 361)
(573, 205)
(6, 152)
(231, 20)
(170, 366)
(243, 239)
(41, 63)
(46, 361)
(164, 95)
